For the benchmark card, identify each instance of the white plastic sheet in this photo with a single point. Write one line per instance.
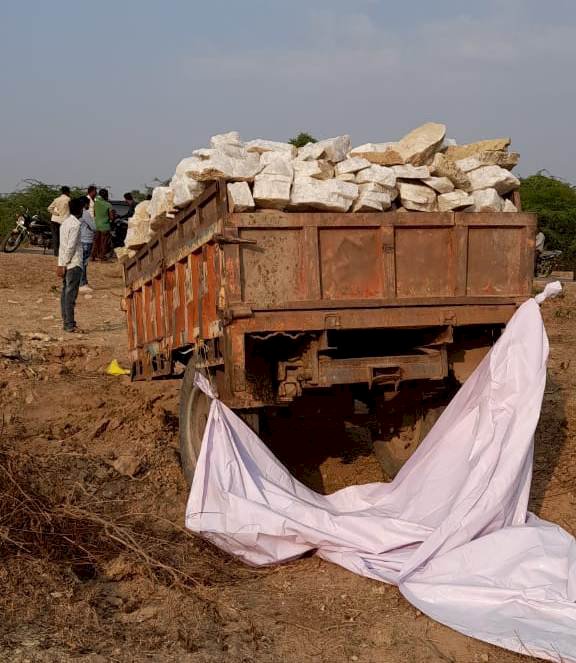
(452, 530)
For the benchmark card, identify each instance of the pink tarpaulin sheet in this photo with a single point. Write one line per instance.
(452, 530)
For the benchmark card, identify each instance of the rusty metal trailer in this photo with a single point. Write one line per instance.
(275, 304)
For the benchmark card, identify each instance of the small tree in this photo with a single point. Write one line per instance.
(302, 139)
(554, 201)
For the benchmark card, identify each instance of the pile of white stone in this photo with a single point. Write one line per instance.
(421, 172)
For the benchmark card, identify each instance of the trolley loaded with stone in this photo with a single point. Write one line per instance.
(383, 272)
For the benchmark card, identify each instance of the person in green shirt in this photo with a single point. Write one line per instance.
(103, 217)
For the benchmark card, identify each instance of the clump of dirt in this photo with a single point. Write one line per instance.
(95, 565)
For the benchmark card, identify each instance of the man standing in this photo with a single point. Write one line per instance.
(91, 193)
(103, 216)
(70, 263)
(129, 198)
(87, 230)
(58, 208)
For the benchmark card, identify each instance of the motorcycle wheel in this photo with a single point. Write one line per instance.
(12, 242)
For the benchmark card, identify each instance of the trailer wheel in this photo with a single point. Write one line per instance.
(399, 432)
(194, 410)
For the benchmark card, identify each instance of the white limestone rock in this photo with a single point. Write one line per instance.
(230, 138)
(372, 201)
(142, 210)
(310, 152)
(374, 187)
(457, 152)
(346, 177)
(266, 158)
(188, 164)
(469, 164)
(419, 146)
(262, 146)
(332, 149)
(410, 172)
(317, 168)
(138, 233)
(332, 195)
(221, 166)
(185, 189)
(509, 206)
(162, 201)
(202, 153)
(418, 197)
(272, 186)
(379, 174)
(493, 177)
(351, 165)
(487, 200)
(123, 254)
(454, 200)
(239, 197)
(439, 184)
(442, 166)
(383, 154)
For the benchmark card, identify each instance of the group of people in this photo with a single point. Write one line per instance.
(81, 231)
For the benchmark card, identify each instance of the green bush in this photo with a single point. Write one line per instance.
(554, 201)
(302, 139)
(33, 196)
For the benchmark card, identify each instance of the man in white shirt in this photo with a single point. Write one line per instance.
(87, 230)
(91, 193)
(59, 210)
(70, 263)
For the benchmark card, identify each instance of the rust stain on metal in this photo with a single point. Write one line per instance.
(214, 278)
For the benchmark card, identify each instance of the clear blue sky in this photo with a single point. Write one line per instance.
(117, 92)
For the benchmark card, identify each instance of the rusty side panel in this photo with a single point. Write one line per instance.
(272, 268)
(210, 274)
(319, 260)
(425, 262)
(494, 261)
(351, 263)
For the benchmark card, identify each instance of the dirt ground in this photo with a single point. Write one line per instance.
(100, 568)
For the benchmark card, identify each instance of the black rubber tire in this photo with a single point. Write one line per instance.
(403, 425)
(393, 452)
(7, 247)
(194, 410)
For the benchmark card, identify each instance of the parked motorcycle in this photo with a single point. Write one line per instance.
(547, 262)
(31, 229)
